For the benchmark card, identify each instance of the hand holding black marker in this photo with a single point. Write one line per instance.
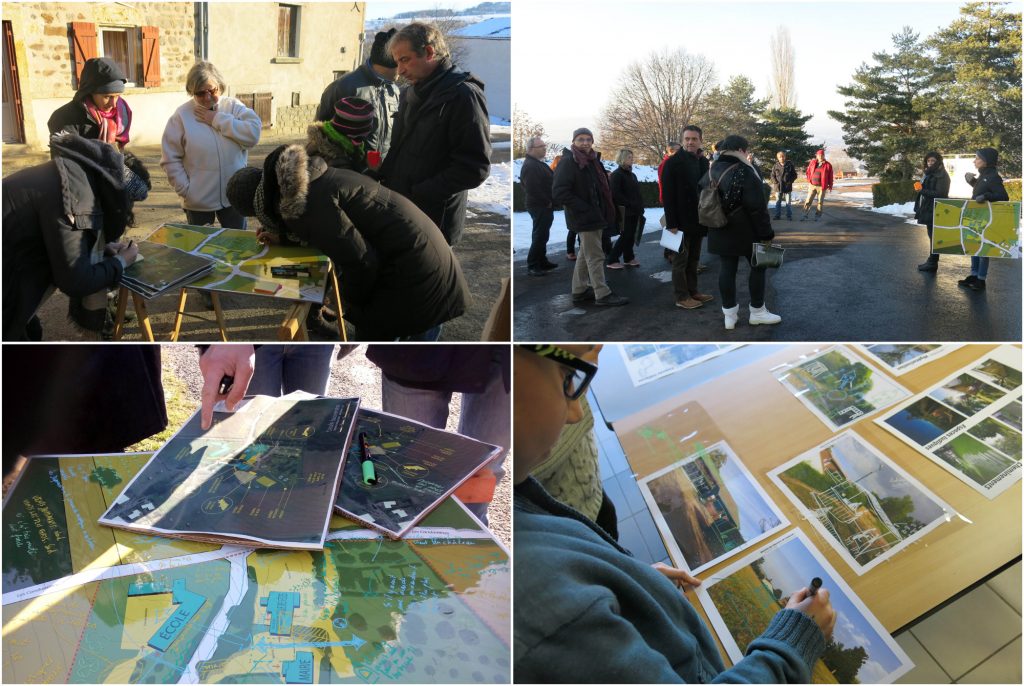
(812, 588)
(369, 474)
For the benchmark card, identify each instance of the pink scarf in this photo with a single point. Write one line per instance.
(114, 123)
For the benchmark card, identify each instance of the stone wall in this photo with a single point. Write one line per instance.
(293, 121)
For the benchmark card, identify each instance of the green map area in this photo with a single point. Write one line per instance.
(421, 610)
(983, 229)
(243, 265)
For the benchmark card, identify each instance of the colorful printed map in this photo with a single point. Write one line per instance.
(243, 265)
(434, 607)
(983, 229)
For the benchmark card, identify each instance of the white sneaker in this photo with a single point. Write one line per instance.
(732, 315)
(761, 315)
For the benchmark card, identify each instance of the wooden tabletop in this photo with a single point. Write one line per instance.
(766, 425)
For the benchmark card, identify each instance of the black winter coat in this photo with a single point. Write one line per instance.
(53, 215)
(933, 185)
(626, 191)
(783, 177)
(365, 83)
(536, 178)
(578, 190)
(440, 147)
(742, 194)
(679, 189)
(988, 185)
(397, 274)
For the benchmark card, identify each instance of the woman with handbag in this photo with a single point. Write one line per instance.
(742, 198)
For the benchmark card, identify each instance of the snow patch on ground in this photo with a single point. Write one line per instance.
(522, 229)
(500, 125)
(494, 195)
(643, 172)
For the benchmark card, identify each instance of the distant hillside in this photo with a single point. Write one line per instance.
(482, 8)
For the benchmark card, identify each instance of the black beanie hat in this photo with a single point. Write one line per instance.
(580, 131)
(990, 155)
(379, 52)
(241, 190)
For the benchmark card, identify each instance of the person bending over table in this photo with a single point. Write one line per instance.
(399, 279)
(586, 610)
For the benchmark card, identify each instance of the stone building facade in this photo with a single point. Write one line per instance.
(276, 57)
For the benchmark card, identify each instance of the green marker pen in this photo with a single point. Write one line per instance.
(369, 473)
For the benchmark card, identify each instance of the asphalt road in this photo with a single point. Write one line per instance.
(852, 276)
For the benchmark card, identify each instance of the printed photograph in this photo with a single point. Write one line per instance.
(901, 357)
(750, 592)
(924, 420)
(998, 373)
(861, 502)
(967, 393)
(1002, 438)
(648, 362)
(839, 388)
(972, 458)
(1010, 414)
(709, 506)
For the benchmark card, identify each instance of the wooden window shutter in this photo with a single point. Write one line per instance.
(150, 56)
(83, 42)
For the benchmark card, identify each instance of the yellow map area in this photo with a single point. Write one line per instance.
(983, 229)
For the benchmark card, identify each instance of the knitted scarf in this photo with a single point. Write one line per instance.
(355, 151)
(114, 123)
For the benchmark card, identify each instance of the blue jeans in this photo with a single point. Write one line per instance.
(229, 217)
(281, 369)
(368, 336)
(789, 205)
(979, 267)
(484, 416)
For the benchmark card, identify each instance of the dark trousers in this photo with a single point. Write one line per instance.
(229, 217)
(538, 255)
(624, 245)
(933, 257)
(727, 281)
(684, 266)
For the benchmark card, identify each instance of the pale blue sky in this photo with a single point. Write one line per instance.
(567, 56)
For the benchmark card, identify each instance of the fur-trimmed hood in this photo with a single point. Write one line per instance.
(293, 177)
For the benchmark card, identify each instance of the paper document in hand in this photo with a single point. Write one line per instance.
(672, 241)
(266, 475)
(417, 466)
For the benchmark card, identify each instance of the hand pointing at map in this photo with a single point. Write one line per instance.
(216, 362)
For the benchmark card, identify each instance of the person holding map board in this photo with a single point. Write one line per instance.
(586, 610)
(987, 187)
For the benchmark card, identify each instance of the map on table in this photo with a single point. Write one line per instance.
(860, 501)
(742, 599)
(838, 387)
(243, 265)
(267, 474)
(432, 608)
(982, 229)
(162, 268)
(647, 362)
(417, 466)
(970, 423)
(708, 507)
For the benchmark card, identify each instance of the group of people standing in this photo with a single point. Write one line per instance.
(380, 186)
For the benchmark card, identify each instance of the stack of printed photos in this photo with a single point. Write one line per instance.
(162, 269)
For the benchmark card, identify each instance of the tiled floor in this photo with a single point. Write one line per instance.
(976, 639)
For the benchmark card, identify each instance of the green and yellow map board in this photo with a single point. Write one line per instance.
(431, 608)
(243, 265)
(982, 229)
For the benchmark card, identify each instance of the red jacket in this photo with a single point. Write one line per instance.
(824, 174)
(660, 167)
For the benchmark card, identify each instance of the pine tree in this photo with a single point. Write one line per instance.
(883, 121)
(783, 129)
(731, 110)
(977, 98)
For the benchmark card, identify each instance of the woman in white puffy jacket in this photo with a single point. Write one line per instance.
(206, 141)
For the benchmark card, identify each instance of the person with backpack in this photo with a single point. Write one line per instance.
(934, 184)
(819, 176)
(745, 209)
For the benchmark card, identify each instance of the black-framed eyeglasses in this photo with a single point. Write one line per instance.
(212, 92)
(579, 373)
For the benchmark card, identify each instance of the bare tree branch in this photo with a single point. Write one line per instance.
(783, 86)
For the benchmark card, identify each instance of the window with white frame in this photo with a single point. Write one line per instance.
(122, 45)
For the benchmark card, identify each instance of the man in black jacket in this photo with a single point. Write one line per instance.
(536, 178)
(440, 147)
(374, 82)
(681, 174)
(783, 176)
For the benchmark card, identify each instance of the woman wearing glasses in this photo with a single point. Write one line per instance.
(205, 141)
(586, 610)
